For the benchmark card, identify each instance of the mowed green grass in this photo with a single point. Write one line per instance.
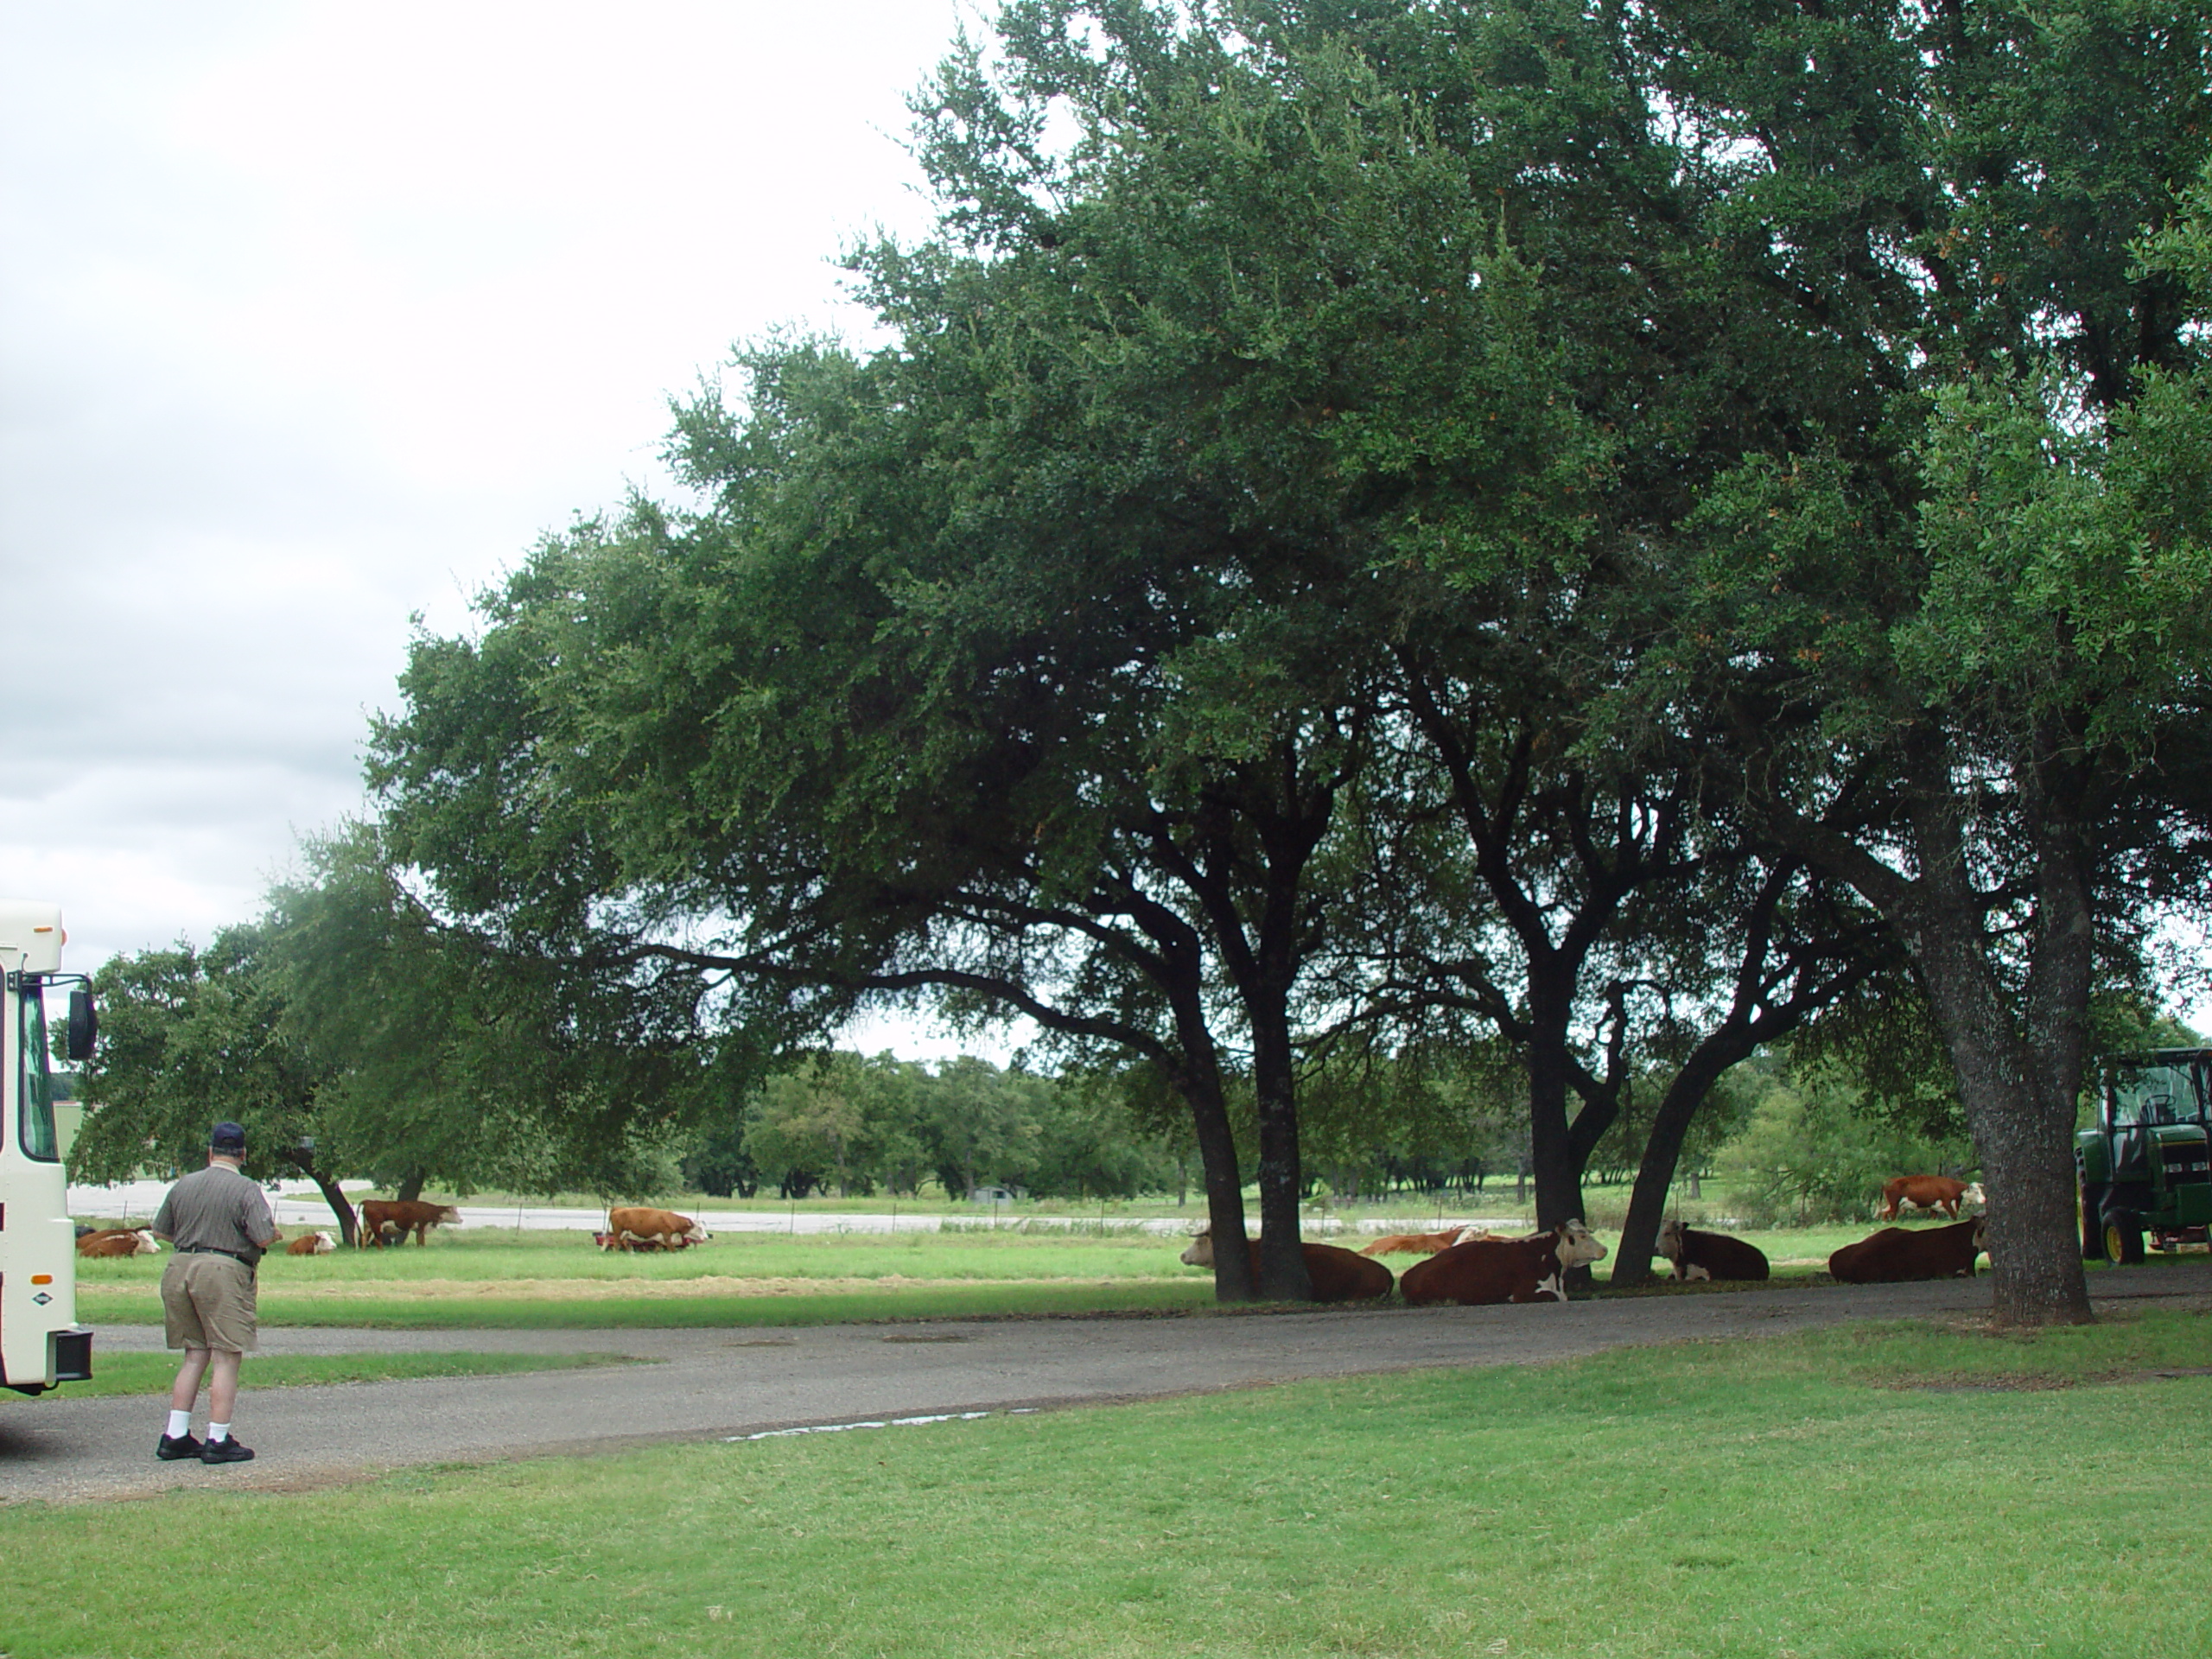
(115, 1373)
(1842, 1495)
(503, 1278)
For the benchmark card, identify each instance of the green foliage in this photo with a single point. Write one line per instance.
(1811, 1150)
(855, 1122)
(188, 1037)
(1630, 438)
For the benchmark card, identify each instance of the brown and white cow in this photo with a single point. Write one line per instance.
(1928, 1192)
(316, 1243)
(638, 1226)
(1486, 1270)
(1338, 1275)
(1698, 1254)
(1897, 1254)
(388, 1221)
(118, 1241)
(1423, 1243)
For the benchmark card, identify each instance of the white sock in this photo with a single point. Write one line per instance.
(180, 1424)
(219, 1431)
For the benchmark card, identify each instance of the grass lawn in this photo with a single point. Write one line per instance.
(153, 1373)
(503, 1278)
(1875, 1491)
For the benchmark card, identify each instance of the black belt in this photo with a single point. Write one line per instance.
(210, 1249)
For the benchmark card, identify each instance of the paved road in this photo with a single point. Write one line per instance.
(714, 1384)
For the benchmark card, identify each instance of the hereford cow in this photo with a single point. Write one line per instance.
(1710, 1255)
(1486, 1270)
(1928, 1192)
(637, 1226)
(388, 1221)
(1338, 1275)
(644, 1242)
(319, 1243)
(1423, 1243)
(1897, 1254)
(118, 1241)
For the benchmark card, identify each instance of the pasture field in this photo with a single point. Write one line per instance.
(1877, 1490)
(131, 1373)
(505, 1278)
(501, 1277)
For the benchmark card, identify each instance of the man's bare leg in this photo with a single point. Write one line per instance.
(222, 1386)
(188, 1379)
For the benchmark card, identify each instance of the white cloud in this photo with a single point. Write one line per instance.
(316, 316)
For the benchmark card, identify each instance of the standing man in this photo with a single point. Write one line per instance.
(220, 1224)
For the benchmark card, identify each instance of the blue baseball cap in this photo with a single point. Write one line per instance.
(226, 1137)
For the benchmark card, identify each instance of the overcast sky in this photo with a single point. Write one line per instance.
(313, 316)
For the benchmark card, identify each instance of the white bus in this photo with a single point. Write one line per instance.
(41, 1343)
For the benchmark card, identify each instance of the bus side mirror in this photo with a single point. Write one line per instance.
(84, 1023)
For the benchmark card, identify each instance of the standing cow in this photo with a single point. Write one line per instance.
(1338, 1275)
(1710, 1255)
(1486, 1270)
(635, 1226)
(388, 1221)
(1928, 1192)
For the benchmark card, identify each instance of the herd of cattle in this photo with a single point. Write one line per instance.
(1470, 1266)
(1474, 1267)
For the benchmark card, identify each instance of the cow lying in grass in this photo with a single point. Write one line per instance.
(637, 1227)
(1897, 1254)
(1486, 1270)
(1338, 1275)
(632, 1241)
(317, 1244)
(1423, 1243)
(1710, 1255)
(118, 1241)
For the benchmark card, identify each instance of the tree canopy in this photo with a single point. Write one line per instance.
(1365, 509)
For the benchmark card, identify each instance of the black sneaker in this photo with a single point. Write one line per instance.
(227, 1451)
(170, 1447)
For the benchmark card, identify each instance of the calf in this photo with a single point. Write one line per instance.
(1710, 1255)
(118, 1241)
(1338, 1275)
(1897, 1254)
(637, 1226)
(1926, 1192)
(388, 1221)
(1423, 1243)
(1485, 1271)
(318, 1244)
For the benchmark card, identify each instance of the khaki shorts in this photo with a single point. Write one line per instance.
(208, 1302)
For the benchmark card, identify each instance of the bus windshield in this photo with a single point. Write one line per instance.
(35, 1082)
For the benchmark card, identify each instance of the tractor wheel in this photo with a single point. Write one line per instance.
(2123, 1236)
(2092, 1226)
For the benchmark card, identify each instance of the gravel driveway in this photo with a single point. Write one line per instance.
(712, 1384)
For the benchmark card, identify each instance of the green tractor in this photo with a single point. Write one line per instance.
(2145, 1168)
